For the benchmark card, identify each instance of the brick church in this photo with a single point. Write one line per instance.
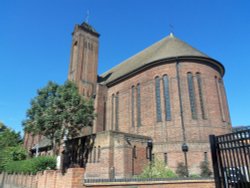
(169, 95)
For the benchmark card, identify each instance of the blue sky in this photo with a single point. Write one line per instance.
(35, 40)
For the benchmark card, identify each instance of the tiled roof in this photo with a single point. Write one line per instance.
(168, 47)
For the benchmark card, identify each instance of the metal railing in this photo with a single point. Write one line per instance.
(119, 180)
(231, 159)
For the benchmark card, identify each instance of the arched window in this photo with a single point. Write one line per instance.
(138, 104)
(191, 95)
(117, 111)
(158, 99)
(220, 100)
(166, 98)
(166, 158)
(134, 152)
(94, 154)
(112, 111)
(199, 83)
(98, 154)
(133, 106)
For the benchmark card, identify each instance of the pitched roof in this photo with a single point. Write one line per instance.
(168, 47)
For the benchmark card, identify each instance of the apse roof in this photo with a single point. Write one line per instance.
(168, 47)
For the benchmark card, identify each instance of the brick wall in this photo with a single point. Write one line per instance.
(116, 158)
(74, 179)
(48, 179)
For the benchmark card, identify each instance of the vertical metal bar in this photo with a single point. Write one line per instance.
(212, 139)
(233, 138)
(230, 167)
(233, 157)
(240, 155)
(221, 156)
(244, 153)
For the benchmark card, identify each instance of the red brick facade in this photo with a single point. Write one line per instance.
(127, 107)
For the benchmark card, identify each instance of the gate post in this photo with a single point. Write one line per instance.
(213, 147)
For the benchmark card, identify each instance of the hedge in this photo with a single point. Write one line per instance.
(31, 166)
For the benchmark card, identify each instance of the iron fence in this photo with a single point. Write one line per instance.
(111, 180)
(75, 153)
(231, 159)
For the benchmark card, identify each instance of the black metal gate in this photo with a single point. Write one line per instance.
(76, 151)
(231, 159)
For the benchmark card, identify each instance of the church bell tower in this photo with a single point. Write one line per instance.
(84, 59)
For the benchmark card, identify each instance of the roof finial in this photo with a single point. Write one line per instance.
(171, 28)
(87, 16)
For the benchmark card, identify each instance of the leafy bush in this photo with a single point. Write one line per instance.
(157, 169)
(205, 170)
(31, 165)
(10, 154)
(181, 170)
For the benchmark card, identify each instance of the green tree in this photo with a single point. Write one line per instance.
(10, 146)
(2, 127)
(57, 112)
(13, 153)
(9, 138)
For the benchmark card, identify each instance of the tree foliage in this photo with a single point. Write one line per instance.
(10, 146)
(58, 111)
(9, 138)
(10, 154)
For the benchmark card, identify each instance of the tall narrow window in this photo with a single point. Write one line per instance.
(205, 157)
(104, 114)
(94, 155)
(166, 158)
(166, 98)
(73, 61)
(117, 112)
(112, 111)
(134, 152)
(224, 100)
(138, 105)
(133, 106)
(192, 95)
(158, 99)
(218, 88)
(98, 154)
(199, 83)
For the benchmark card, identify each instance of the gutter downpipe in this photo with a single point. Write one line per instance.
(181, 113)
